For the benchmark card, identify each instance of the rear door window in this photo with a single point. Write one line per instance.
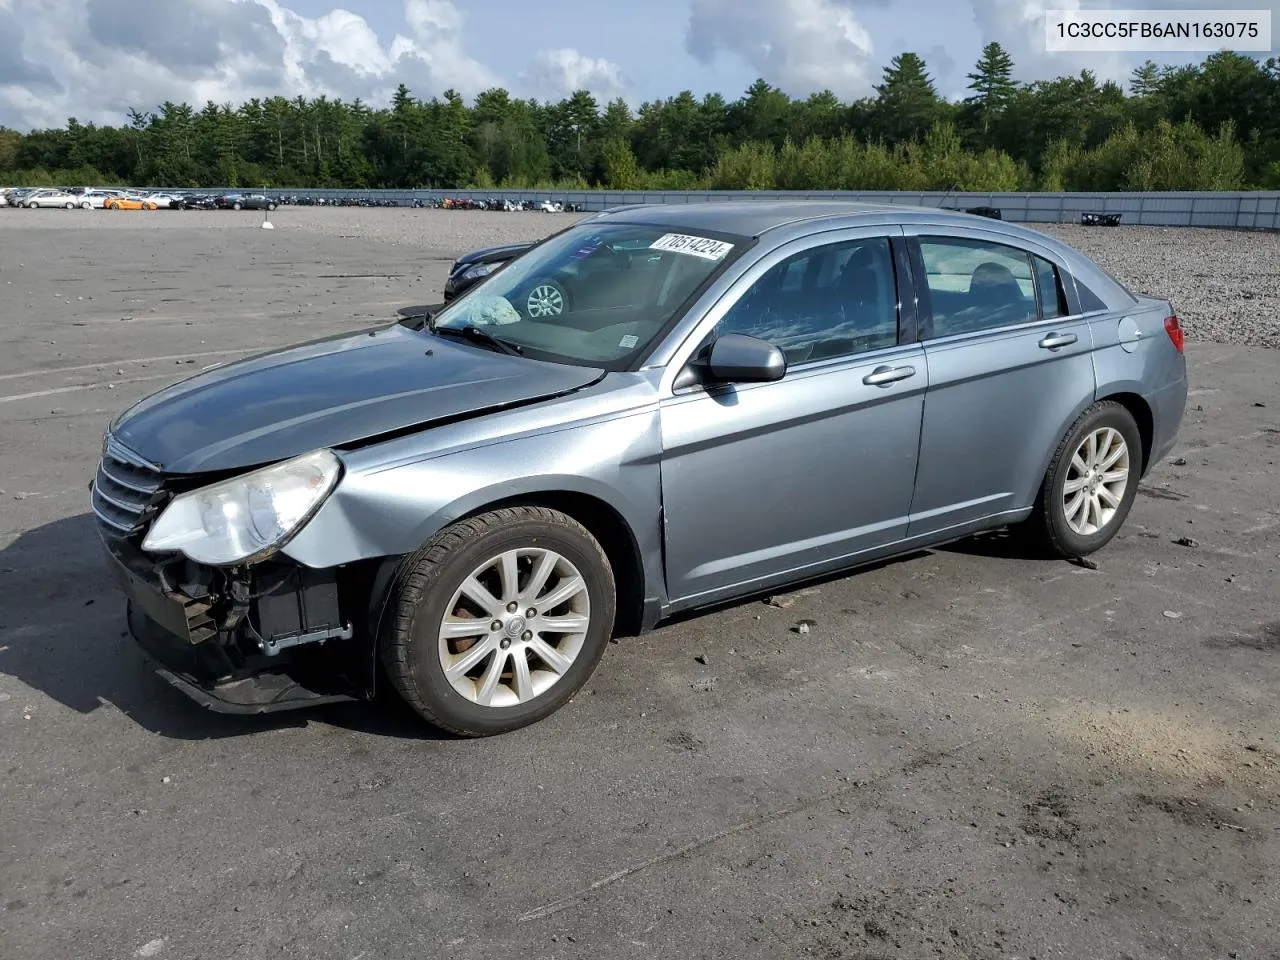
(976, 285)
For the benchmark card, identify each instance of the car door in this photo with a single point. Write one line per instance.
(763, 482)
(1010, 367)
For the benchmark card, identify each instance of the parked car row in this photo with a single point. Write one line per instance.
(123, 198)
(306, 200)
(435, 203)
(111, 198)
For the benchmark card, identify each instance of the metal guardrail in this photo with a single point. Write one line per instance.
(1253, 210)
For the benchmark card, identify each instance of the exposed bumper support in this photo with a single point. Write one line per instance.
(237, 670)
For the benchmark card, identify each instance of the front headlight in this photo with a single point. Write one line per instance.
(480, 270)
(248, 517)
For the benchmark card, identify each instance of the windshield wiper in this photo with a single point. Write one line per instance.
(478, 335)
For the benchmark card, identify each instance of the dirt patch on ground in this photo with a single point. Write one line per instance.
(1172, 748)
(1191, 812)
(895, 923)
(1048, 817)
(1265, 639)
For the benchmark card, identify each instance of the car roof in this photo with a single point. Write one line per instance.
(752, 218)
(749, 218)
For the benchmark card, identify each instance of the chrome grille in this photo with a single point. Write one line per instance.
(127, 491)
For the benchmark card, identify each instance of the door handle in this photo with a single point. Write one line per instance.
(1055, 340)
(883, 376)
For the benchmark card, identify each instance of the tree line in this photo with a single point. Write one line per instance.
(1210, 126)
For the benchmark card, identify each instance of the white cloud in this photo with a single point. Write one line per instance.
(799, 45)
(555, 74)
(1019, 27)
(94, 59)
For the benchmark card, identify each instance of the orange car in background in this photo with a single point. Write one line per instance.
(128, 202)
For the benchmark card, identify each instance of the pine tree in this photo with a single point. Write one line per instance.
(907, 103)
(992, 80)
(1145, 80)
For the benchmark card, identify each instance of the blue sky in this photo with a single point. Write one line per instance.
(93, 59)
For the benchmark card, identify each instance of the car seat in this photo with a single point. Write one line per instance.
(993, 292)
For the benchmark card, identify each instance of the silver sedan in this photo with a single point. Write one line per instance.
(657, 409)
(54, 198)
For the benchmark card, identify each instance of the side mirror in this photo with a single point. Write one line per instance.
(738, 358)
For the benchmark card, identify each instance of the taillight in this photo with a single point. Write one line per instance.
(1173, 327)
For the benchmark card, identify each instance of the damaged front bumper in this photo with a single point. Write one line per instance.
(275, 636)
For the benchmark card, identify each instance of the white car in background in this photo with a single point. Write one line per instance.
(54, 198)
(98, 197)
(165, 201)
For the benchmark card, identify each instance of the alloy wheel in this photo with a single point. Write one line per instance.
(1097, 478)
(544, 300)
(514, 627)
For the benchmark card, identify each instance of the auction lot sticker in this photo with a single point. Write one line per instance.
(703, 247)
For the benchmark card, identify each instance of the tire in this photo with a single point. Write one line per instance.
(1077, 524)
(428, 586)
(71, 206)
(544, 299)
(235, 206)
(86, 205)
(270, 207)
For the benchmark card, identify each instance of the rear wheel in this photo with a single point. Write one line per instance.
(498, 620)
(235, 206)
(1090, 485)
(86, 205)
(70, 206)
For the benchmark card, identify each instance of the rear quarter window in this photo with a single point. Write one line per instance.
(1053, 303)
(1089, 301)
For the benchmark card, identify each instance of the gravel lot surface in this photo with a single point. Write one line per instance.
(1225, 284)
(969, 755)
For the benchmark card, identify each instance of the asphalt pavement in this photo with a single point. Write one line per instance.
(966, 754)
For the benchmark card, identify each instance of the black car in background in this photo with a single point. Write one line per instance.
(244, 201)
(199, 201)
(470, 268)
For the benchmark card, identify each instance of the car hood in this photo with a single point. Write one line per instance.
(489, 254)
(330, 393)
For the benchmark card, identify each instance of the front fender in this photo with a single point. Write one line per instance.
(381, 511)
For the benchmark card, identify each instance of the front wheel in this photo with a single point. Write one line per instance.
(86, 205)
(71, 206)
(545, 299)
(498, 620)
(1090, 485)
(235, 206)
(271, 206)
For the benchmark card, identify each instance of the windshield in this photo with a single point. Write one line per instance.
(597, 294)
